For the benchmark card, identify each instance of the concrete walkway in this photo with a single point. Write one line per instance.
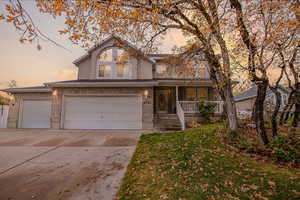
(53, 165)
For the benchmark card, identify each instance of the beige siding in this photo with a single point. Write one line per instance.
(84, 70)
(15, 110)
(245, 105)
(144, 69)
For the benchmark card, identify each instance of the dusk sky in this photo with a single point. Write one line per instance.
(29, 67)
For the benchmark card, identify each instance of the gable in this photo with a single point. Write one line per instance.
(112, 41)
(140, 65)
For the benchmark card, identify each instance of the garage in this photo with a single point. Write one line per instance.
(102, 112)
(36, 114)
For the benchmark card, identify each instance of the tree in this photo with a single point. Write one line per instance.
(203, 21)
(3, 100)
(260, 25)
(293, 83)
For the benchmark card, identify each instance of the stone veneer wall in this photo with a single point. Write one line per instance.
(147, 106)
(15, 110)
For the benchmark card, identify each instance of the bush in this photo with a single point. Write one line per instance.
(3, 100)
(286, 148)
(206, 110)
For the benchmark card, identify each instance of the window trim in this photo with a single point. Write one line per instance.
(113, 64)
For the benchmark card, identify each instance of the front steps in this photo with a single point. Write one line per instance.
(167, 122)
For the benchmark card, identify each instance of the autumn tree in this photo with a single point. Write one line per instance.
(292, 72)
(87, 22)
(263, 26)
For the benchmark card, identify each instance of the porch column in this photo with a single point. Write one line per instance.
(176, 93)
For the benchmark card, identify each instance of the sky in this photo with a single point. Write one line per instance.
(31, 67)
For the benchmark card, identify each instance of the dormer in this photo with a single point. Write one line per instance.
(114, 58)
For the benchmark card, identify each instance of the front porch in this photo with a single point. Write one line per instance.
(173, 103)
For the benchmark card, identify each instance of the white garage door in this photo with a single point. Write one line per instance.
(36, 114)
(102, 113)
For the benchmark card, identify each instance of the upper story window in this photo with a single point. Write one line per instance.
(161, 68)
(113, 63)
(200, 70)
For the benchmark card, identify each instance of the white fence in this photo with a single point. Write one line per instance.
(3, 116)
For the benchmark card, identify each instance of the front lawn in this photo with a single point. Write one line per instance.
(195, 165)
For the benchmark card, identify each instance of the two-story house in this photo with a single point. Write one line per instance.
(118, 87)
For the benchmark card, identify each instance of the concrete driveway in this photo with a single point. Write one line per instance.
(59, 165)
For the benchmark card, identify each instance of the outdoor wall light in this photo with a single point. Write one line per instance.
(146, 93)
(54, 93)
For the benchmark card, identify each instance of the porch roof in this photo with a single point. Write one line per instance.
(131, 83)
(104, 83)
(184, 82)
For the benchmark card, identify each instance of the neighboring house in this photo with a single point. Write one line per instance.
(245, 100)
(118, 87)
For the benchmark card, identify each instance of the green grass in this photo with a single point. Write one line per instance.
(195, 165)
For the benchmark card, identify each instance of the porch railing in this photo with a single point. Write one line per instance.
(192, 106)
(180, 114)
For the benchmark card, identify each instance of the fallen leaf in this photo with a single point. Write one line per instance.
(272, 183)
(254, 187)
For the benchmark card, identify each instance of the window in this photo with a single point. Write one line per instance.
(106, 56)
(113, 63)
(200, 70)
(196, 94)
(122, 56)
(202, 94)
(104, 70)
(191, 94)
(161, 68)
(122, 70)
(284, 99)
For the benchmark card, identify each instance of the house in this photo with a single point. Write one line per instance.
(118, 87)
(246, 100)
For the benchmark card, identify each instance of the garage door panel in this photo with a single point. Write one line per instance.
(102, 113)
(36, 114)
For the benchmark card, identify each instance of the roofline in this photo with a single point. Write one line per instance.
(104, 84)
(245, 98)
(133, 83)
(26, 90)
(90, 50)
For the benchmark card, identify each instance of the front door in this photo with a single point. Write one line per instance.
(162, 101)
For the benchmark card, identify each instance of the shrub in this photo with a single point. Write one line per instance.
(206, 110)
(286, 148)
(3, 100)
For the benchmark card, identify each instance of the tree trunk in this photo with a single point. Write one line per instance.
(276, 111)
(296, 115)
(297, 106)
(286, 110)
(230, 108)
(259, 111)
